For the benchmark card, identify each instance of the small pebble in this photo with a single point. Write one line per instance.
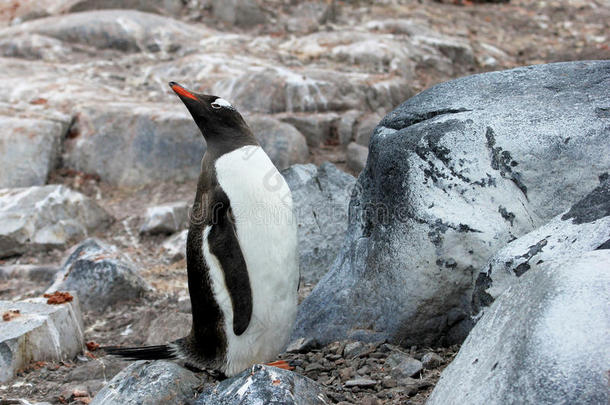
(360, 382)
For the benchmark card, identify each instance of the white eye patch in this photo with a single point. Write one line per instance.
(221, 102)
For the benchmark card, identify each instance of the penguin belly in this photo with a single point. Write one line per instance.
(266, 230)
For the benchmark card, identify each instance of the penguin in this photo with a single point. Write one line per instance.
(242, 259)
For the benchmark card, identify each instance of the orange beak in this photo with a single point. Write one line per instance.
(181, 91)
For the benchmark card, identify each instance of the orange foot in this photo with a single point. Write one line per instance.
(280, 364)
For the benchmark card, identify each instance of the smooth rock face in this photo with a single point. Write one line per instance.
(265, 385)
(320, 197)
(29, 150)
(152, 383)
(166, 218)
(39, 332)
(44, 217)
(583, 228)
(544, 341)
(133, 144)
(100, 275)
(453, 175)
(282, 142)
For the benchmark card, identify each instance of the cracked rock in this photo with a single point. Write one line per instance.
(584, 227)
(38, 332)
(452, 176)
(544, 341)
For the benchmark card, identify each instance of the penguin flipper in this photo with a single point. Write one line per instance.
(224, 244)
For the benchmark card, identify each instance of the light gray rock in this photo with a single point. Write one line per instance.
(242, 13)
(582, 228)
(33, 46)
(123, 30)
(132, 144)
(151, 383)
(282, 142)
(29, 150)
(278, 89)
(366, 126)
(347, 125)
(174, 247)
(320, 200)
(100, 275)
(45, 217)
(38, 332)
(403, 366)
(317, 128)
(544, 341)
(428, 210)
(166, 218)
(38, 273)
(377, 54)
(168, 327)
(356, 156)
(262, 384)
(431, 360)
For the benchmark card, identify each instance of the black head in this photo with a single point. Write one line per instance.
(221, 124)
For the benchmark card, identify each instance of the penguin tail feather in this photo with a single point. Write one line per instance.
(159, 352)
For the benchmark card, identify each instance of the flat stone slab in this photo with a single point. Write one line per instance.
(38, 332)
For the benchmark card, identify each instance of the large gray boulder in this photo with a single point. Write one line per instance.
(123, 30)
(150, 383)
(544, 341)
(284, 144)
(29, 149)
(583, 228)
(321, 197)
(100, 275)
(263, 384)
(33, 330)
(132, 144)
(453, 175)
(45, 217)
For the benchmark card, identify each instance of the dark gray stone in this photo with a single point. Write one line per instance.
(594, 206)
(320, 199)
(262, 384)
(100, 275)
(151, 383)
(583, 228)
(544, 341)
(425, 214)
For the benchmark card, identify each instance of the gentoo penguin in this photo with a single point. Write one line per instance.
(242, 259)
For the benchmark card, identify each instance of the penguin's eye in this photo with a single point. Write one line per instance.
(215, 106)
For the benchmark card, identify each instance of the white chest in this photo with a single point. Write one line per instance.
(262, 207)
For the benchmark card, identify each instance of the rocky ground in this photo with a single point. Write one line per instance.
(56, 78)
